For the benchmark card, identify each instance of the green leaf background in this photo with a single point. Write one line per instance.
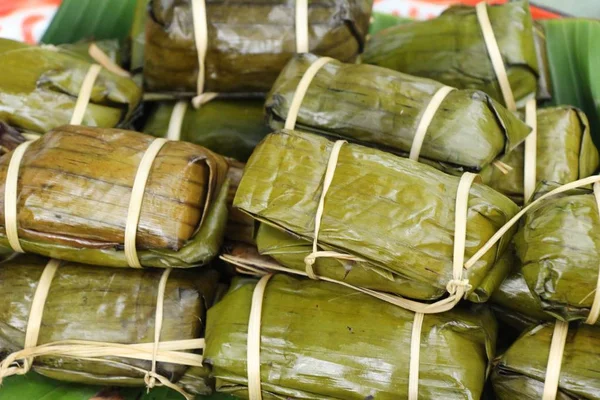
(90, 19)
(36, 387)
(574, 55)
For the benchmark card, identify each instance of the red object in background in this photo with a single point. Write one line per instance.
(26, 20)
(426, 9)
(536, 12)
(10, 6)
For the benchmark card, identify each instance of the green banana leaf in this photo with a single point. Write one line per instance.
(520, 372)
(37, 387)
(39, 87)
(380, 107)
(138, 35)
(290, 251)
(557, 247)
(248, 42)
(513, 302)
(544, 87)
(77, 20)
(113, 48)
(451, 49)
(231, 128)
(574, 58)
(104, 305)
(394, 213)
(565, 153)
(75, 187)
(381, 21)
(348, 332)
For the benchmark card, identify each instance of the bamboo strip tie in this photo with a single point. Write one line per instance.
(176, 120)
(85, 93)
(557, 349)
(495, 55)
(415, 355)
(253, 344)
(425, 121)
(201, 39)
(530, 158)
(302, 45)
(11, 197)
(136, 199)
(104, 60)
(307, 78)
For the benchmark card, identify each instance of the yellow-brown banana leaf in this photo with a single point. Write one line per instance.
(380, 107)
(323, 341)
(395, 213)
(565, 153)
(39, 87)
(102, 305)
(451, 49)
(558, 246)
(521, 371)
(248, 42)
(231, 128)
(73, 198)
(240, 226)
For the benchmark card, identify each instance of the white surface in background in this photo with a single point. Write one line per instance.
(27, 24)
(409, 8)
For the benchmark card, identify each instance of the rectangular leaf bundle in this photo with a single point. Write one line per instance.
(75, 186)
(383, 108)
(451, 49)
(521, 371)
(395, 214)
(565, 153)
(102, 305)
(248, 43)
(231, 128)
(557, 247)
(354, 348)
(39, 87)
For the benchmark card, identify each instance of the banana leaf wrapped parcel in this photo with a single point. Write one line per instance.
(102, 305)
(451, 49)
(395, 215)
(348, 331)
(75, 188)
(565, 153)
(384, 108)
(521, 371)
(231, 128)
(513, 302)
(39, 87)
(558, 252)
(248, 43)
